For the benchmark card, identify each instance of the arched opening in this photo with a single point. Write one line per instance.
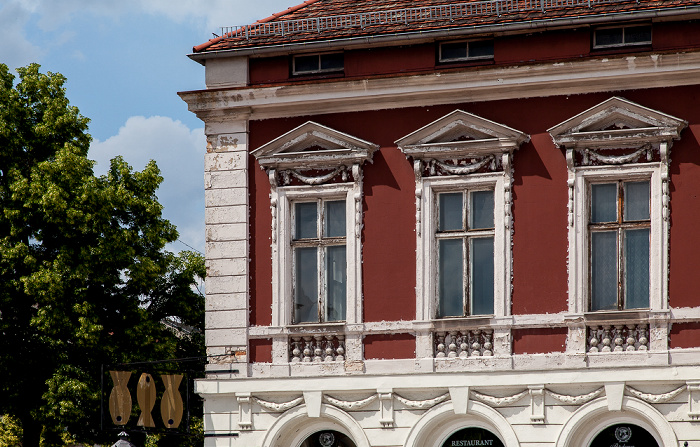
(624, 435)
(328, 438)
(473, 437)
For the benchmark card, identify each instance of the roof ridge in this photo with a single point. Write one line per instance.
(289, 10)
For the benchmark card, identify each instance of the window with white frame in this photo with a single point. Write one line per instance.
(619, 227)
(315, 176)
(465, 252)
(462, 165)
(622, 36)
(617, 157)
(320, 262)
(466, 50)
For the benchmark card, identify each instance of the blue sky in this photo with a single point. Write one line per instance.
(125, 62)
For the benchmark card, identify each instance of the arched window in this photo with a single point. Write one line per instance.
(624, 435)
(328, 438)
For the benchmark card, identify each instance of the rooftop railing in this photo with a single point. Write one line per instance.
(406, 16)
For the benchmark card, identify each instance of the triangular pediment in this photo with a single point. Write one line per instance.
(617, 123)
(459, 134)
(314, 146)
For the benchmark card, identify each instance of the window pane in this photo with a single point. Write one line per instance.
(335, 283)
(637, 269)
(636, 201)
(638, 34)
(306, 63)
(604, 270)
(332, 62)
(604, 202)
(610, 36)
(481, 275)
(305, 218)
(450, 211)
(305, 284)
(481, 211)
(450, 278)
(481, 48)
(449, 51)
(335, 219)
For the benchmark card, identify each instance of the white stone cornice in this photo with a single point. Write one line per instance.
(613, 73)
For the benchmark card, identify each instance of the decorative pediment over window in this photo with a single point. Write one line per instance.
(313, 146)
(617, 124)
(460, 135)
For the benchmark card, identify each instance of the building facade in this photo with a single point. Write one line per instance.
(434, 224)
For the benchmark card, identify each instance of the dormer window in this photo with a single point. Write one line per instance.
(318, 63)
(466, 50)
(622, 36)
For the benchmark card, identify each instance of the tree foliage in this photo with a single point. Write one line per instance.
(84, 275)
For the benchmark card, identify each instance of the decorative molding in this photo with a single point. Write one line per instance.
(435, 166)
(311, 180)
(537, 406)
(499, 401)
(655, 398)
(245, 417)
(422, 404)
(617, 338)
(693, 400)
(576, 400)
(386, 407)
(278, 407)
(591, 154)
(350, 405)
(617, 123)
(314, 146)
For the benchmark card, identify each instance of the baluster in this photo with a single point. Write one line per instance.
(593, 340)
(606, 339)
(308, 349)
(488, 344)
(631, 340)
(463, 346)
(642, 338)
(618, 338)
(318, 350)
(340, 350)
(476, 343)
(452, 345)
(296, 349)
(329, 348)
(440, 345)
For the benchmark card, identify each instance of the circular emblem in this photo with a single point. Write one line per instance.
(326, 439)
(623, 434)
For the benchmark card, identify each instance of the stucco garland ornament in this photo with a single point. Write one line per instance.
(655, 398)
(576, 400)
(462, 169)
(350, 405)
(616, 159)
(498, 401)
(422, 404)
(279, 407)
(319, 180)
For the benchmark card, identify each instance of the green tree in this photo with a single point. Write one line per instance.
(85, 278)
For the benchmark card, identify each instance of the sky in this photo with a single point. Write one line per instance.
(124, 62)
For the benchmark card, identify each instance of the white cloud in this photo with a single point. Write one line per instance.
(16, 50)
(179, 153)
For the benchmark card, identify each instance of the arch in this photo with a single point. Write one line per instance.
(294, 426)
(593, 417)
(438, 423)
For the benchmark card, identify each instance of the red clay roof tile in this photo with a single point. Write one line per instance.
(318, 20)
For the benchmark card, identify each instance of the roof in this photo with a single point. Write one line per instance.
(324, 20)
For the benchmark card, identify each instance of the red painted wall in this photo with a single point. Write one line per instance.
(524, 48)
(385, 346)
(542, 46)
(260, 351)
(685, 335)
(539, 341)
(539, 208)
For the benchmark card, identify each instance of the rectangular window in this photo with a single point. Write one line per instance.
(622, 36)
(318, 63)
(465, 253)
(619, 228)
(320, 261)
(465, 51)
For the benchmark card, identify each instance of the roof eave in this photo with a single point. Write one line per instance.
(415, 36)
